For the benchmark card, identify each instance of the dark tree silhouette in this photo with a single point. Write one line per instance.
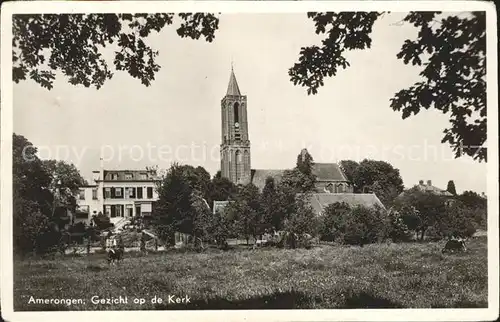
(450, 49)
(451, 188)
(73, 44)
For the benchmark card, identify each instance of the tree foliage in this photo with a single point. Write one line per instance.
(65, 179)
(421, 210)
(451, 188)
(399, 230)
(349, 167)
(101, 221)
(221, 189)
(35, 197)
(450, 49)
(331, 220)
(246, 212)
(374, 176)
(456, 221)
(174, 210)
(472, 199)
(73, 44)
(357, 225)
(303, 220)
(301, 178)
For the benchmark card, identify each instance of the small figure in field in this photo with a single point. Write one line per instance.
(115, 255)
(454, 244)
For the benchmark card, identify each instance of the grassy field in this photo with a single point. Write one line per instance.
(414, 275)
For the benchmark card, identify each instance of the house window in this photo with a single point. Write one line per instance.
(114, 176)
(150, 192)
(139, 193)
(131, 192)
(128, 176)
(118, 193)
(107, 193)
(82, 194)
(94, 193)
(144, 176)
(107, 210)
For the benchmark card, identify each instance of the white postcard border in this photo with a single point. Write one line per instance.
(10, 8)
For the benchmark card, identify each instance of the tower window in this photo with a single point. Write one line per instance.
(236, 113)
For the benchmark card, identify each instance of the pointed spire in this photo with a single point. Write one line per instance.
(232, 88)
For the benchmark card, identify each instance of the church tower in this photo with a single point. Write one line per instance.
(235, 147)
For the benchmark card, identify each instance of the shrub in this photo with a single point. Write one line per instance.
(331, 220)
(457, 220)
(363, 225)
(301, 223)
(398, 229)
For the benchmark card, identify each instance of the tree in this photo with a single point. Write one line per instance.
(202, 217)
(398, 230)
(349, 167)
(456, 221)
(451, 188)
(378, 177)
(66, 178)
(331, 220)
(221, 228)
(472, 199)
(221, 189)
(301, 222)
(270, 217)
(305, 163)
(246, 211)
(364, 225)
(301, 178)
(101, 221)
(451, 50)
(173, 209)
(73, 44)
(33, 200)
(353, 225)
(477, 206)
(428, 208)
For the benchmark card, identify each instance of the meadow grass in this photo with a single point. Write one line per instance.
(410, 275)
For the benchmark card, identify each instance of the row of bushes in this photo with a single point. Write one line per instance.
(362, 225)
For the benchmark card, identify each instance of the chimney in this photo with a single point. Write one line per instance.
(429, 182)
(421, 182)
(96, 175)
(101, 169)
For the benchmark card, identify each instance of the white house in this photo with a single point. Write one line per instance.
(118, 194)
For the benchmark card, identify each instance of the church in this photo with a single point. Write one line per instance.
(331, 183)
(236, 156)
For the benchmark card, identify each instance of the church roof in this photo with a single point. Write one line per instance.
(328, 172)
(319, 201)
(323, 171)
(233, 88)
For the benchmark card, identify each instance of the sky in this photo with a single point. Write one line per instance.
(178, 118)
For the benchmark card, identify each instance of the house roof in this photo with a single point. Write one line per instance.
(434, 189)
(122, 175)
(232, 87)
(431, 189)
(321, 200)
(328, 172)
